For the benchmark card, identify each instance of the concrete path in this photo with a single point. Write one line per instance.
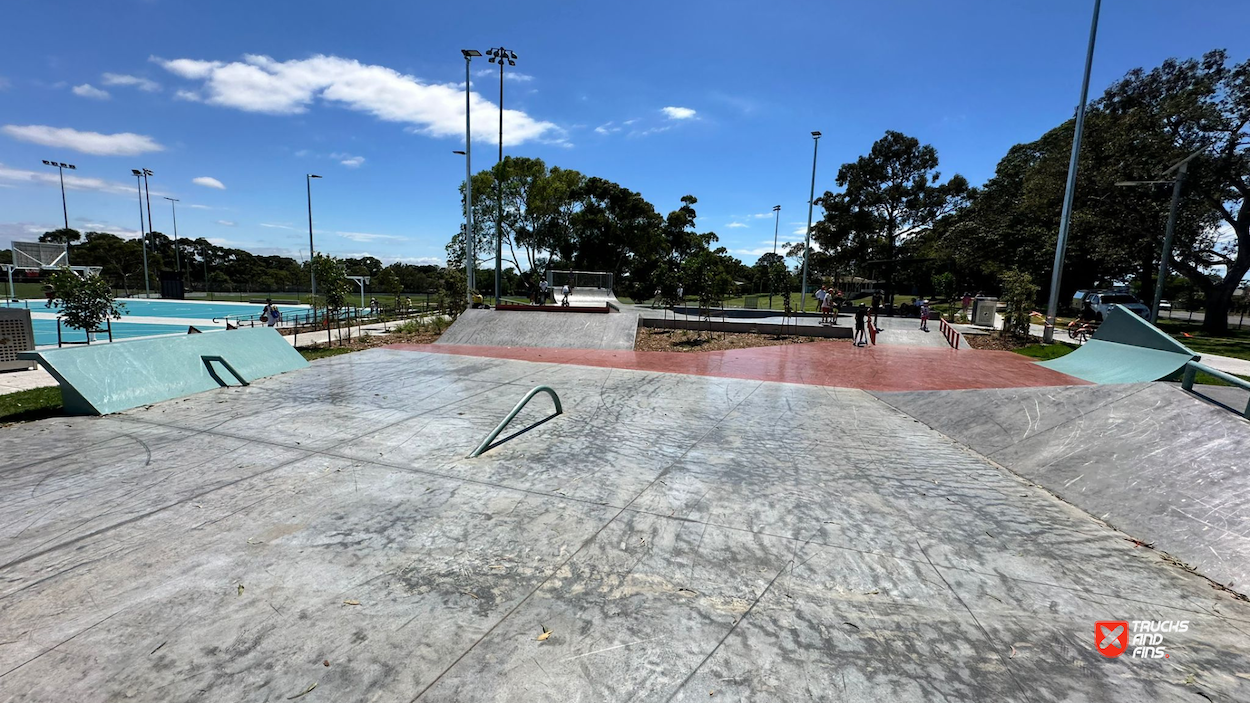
(668, 538)
(14, 381)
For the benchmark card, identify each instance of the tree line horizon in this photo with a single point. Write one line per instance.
(891, 217)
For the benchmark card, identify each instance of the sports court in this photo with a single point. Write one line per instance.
(673, 535)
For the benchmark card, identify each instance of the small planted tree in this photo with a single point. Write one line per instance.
(1019, 294)
(85, 301)
(332, 284)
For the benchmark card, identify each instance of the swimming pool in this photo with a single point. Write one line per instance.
(145, 318)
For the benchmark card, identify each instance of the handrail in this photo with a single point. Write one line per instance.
(953, 337)
(528, 396)
(1193, 367)
(209, 358)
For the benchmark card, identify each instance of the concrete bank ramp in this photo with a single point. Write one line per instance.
(1154, 461)
(566, 330)
(1125, 349)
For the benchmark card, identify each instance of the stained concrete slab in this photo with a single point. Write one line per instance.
(1160, 464)
(679, 536)
(566, 330)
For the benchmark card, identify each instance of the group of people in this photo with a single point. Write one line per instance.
(270, 316)
(544, 290)
(829, 301)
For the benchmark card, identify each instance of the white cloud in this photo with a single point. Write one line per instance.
(507, 75)
(72, 181)
(261, 84)
(227, 223)
(189, 95)
(366, 237)
(756, 252)
(649, 132)
(762, 215)
(678, 113)
(86, 90)
(273, 226)
(198, 207)
(144, 84)
(731, 225)
(609, 128)
(122, 144)
(208, 182)
(802, 231)
(348, 160)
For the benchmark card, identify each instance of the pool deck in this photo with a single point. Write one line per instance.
(320, 536)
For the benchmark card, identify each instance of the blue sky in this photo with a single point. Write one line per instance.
(715, 99)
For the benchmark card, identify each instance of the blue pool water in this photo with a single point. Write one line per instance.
(185, 312)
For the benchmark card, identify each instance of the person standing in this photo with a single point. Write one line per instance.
(656, 300)
(264, 314)
(681, 295)
(861, 317)
(876, 309)
(966, 303)
(275, 316)
(836, 307)
(542, 292)
(565, 292)
(924, 315)
(820, 303)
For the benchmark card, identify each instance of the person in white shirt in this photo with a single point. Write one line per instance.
(542, 289)
(820, 304)
(565, 292)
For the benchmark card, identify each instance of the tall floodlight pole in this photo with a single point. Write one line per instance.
(470, 240)
(60, 167)
(312, 259)
(776, 227)
(177, 255)
(147, 286)
(811, 200)
(1065, 217)
(500, 55)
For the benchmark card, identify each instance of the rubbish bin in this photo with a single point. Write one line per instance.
(983, 311)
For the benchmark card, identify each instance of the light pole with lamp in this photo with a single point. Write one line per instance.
(776, 226)
(500, 55)
(312, 260)
(147, 285)
(470, 243)
(1181, 168)
(1061, 243)
(60, 167)
(177, 254)
(807, 243)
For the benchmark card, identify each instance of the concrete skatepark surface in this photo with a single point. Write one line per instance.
(514, 328)
(681, 537)
(1149, 458)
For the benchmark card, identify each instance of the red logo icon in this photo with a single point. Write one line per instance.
(1111, 636)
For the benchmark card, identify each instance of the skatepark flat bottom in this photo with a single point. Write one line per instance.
(320, 536)
(839, 364)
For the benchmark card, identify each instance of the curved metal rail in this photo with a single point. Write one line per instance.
(528, 396)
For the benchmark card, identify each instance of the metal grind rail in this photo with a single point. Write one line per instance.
(485, 445)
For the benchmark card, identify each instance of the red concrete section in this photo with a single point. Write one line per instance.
(880, 368)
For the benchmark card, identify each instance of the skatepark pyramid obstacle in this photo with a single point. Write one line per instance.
(1125, 349)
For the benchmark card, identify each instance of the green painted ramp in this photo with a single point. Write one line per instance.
(1125, 349)
(98, 379)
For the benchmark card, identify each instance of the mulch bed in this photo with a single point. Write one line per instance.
(381, 340)
(994, 342)
(650, 339)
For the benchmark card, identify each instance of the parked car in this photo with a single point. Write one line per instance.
(1165, 305)
(1103, 301)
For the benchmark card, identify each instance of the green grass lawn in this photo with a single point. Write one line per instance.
(323, 352)
(34, 404)
(1237, 344)
(1046, 352)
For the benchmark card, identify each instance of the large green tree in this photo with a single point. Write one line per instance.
(892, 192)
